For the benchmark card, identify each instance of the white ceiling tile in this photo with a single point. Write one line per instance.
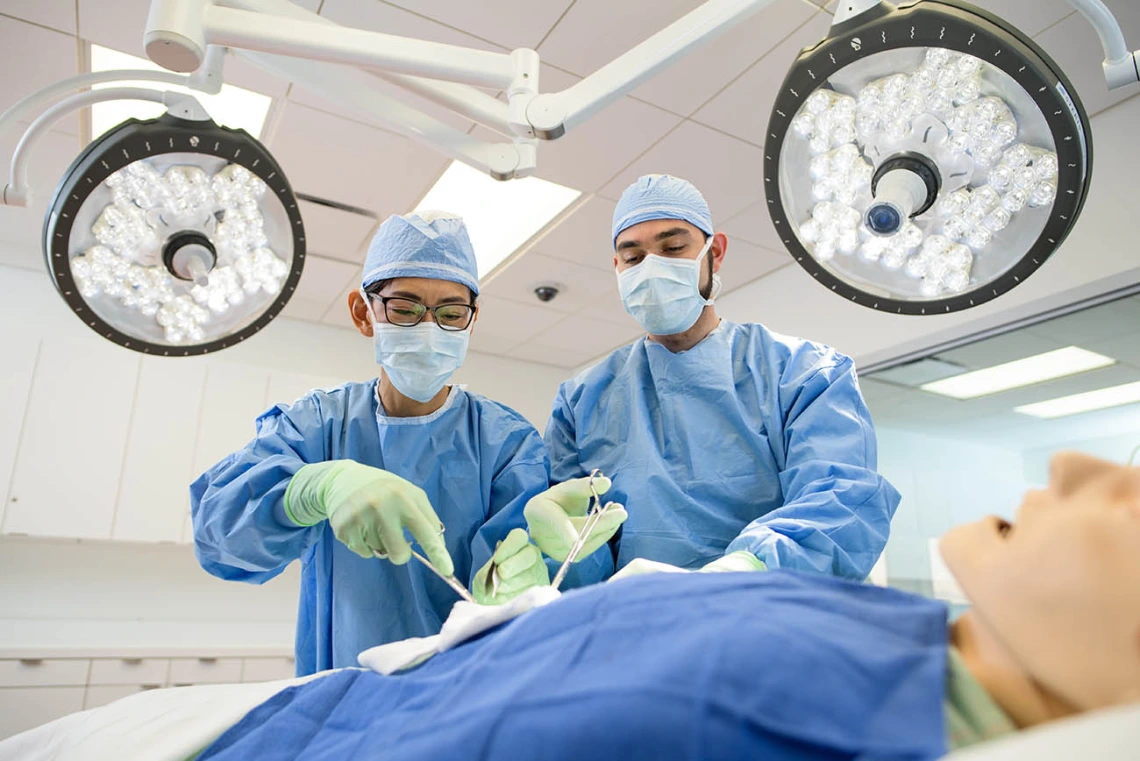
(486, 343)
(387, 18)
(58, 14)
(746, 262)
(579, 334)
(546, 355)
(507, 322)
(583, 237)
(335, 233)
(23, 226)
(755, 226)
(337, 313)
(315, 99)
(688, 83)
(323, 280)
(1074, 45)
(594, 32)
(510, 23)
(1030, 16)
(358, 165)
(727, 171)
(305, 309)
(517, 282)
(31, 58)
(608, 308)
(593, 152)
(743, 108)
(116, 24)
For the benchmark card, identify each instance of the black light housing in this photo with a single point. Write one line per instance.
(971, 244)
(175, 237)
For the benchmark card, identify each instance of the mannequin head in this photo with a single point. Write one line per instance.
(1060, 588)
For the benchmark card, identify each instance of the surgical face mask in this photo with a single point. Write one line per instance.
(664, 294)
(419, 360)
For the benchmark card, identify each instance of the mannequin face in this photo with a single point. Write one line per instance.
(1061, 586)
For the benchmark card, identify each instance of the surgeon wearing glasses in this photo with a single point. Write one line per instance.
(336, 478)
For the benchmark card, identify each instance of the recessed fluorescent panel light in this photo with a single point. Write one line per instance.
(1103, 398)
(232, 107)
(500, 216)
(1023, 372)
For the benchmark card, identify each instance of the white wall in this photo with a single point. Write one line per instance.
(944, 483)
(99, 442)
(1099, 255)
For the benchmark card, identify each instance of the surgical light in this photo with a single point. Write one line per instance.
(926, 158)
(174, 236)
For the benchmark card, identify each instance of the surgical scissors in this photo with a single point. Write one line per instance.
(595, 512)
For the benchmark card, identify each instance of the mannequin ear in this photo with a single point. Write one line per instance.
(358, 311)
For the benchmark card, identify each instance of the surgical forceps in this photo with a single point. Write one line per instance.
(450, 581)
(595, 512)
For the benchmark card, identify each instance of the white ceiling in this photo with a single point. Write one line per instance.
(702, 119)
(1111, 329)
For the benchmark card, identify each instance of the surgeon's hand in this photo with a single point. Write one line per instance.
(516, 566)
(735, 561)
(368, 509)
(556, 517)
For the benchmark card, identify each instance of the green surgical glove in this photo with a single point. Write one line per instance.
(368, 509)
(517, 564)
(556, 517)
(735, 561)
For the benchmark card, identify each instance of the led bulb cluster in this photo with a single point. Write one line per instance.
(826, 120)
(229, 285)
(938, 248)
(123, 264)
(841, 175)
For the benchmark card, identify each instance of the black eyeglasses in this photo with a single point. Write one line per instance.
(406, 313)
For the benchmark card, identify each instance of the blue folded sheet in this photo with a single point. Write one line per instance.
(758, 666)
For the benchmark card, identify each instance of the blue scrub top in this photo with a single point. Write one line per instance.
(478, 461)
(748, 441)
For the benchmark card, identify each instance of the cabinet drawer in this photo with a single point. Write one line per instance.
(268, 669)
(22, 708)
(104, 694)
(185, 671)
(49, 672)
(136, 671)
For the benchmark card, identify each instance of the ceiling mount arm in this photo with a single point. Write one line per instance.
(552, 114)
(1120, 63)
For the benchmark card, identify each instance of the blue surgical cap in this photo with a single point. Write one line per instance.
(429, 244)
(661, 196)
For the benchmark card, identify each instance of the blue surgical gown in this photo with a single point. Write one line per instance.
(747, 441)
(478, 461)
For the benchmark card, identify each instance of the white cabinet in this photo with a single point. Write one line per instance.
(234, 397)
(22, 708)
(19, 352)
(95, 696)
(51, 672)
(184, 671)
(150, 672)
(268, 669)
(155, 494)
(74, 435)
